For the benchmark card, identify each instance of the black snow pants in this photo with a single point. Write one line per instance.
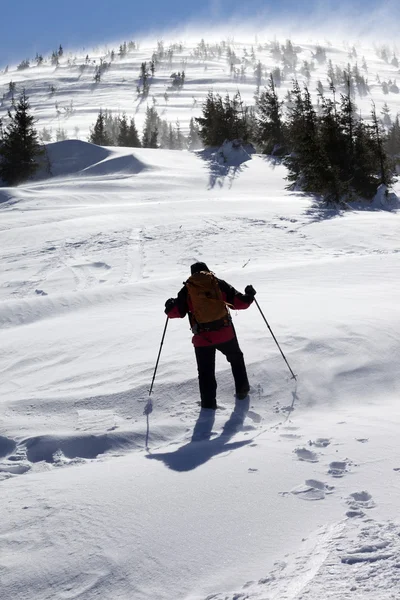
(205, 356)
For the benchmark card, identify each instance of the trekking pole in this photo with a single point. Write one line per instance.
(276, 341)
(158, 357)
(148, 409)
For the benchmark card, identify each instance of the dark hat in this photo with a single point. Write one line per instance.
(197, 267)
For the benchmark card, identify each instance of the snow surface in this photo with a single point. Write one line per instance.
(296, 497)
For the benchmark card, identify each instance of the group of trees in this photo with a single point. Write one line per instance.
(327, 147)
(225, 119)
(114, 131)
(329, 150)
(110, 130)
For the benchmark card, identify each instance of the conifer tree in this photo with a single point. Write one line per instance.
(123, 131)
(171, 138)
(180, 139)
(151, 128)
(133, 136)
(334, 180)
(98, 135)
(209, 123)
(55, 58)
(392, 142)
(222, 120)
(347, 121)
(386, 119)
(385, 171)
(20, 149)
(128, 135)
(144, 78)
(258, 72)
(194, 140)
(307, 162)
(270, 128)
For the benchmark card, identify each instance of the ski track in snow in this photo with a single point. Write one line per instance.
(300, 489)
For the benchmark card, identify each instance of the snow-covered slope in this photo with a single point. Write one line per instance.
(67, 98)
(296, 497)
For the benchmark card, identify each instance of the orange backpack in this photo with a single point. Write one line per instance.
(206, 297)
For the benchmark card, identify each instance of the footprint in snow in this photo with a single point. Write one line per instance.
(338, 468)
(312, 490)
(306, 455)
(358, 501)
(320, 442)
(290, 436)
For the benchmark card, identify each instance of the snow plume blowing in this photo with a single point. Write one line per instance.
(316, 21)
(324, 22)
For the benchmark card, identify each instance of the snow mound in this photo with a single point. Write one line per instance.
(234, 153)
(3, 197)
(126, 163)
(385, 199)
(72, 157)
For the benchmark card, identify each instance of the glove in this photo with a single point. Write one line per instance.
(250, 291)
(169, 305)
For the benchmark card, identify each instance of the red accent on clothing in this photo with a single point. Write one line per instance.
(174, 313)
(211, 338)
(239, 304)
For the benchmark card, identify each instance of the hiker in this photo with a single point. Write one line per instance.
(205, 299)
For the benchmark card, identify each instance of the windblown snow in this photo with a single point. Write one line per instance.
(294, 497)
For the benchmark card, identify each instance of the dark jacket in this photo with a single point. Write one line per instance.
(226, 333)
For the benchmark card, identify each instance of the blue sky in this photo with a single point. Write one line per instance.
(76, 23)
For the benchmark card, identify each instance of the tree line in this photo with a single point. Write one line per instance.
(328, 149)
(110, 130)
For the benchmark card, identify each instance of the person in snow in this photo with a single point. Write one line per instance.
(205, 299)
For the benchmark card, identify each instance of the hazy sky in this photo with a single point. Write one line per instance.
(41, 25)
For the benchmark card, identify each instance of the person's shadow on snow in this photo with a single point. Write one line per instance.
(201, 448)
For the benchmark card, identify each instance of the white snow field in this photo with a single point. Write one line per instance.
(296, 498)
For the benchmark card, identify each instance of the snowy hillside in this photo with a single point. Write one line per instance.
(296, 497)
(66, 98)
